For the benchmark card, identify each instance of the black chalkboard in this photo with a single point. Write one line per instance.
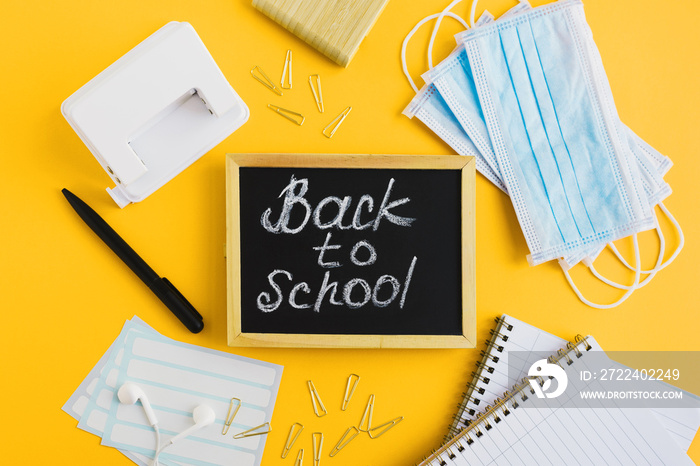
(369, 254)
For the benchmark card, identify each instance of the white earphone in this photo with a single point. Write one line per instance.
(130, 393)
(203, 415)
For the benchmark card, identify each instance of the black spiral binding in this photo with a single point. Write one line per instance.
(510, 401)
(481, 376)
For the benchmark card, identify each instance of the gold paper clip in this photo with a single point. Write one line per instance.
(229, 416)
(317, 438)
(287, 114)
(254, 431)
(367, 416)
(354, 379)
(287, 71)
(291, 439)
(344, 440)
(300, 458)
(265, 80)
(318, 95)
(333, 125)
(316, 400)
(386, 426)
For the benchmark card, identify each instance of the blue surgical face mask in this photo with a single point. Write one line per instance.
(429, 107)
(554, 129)
(452, 77)
(453, 80)
(652, 166)
(464, 111)
(565, 131)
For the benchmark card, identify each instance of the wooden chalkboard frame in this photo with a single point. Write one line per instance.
(465, 165)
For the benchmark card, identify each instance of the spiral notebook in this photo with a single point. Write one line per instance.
(502, 356)
(507, 432)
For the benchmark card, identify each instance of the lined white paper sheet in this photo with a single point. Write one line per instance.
(176, 377)
(561, 434)
(510, 368)
(78, 403)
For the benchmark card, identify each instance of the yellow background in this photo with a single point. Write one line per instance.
(65, 295)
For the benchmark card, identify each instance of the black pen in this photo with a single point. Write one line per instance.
(162, 288)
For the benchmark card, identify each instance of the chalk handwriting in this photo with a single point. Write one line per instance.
(334, 212)
(321, 261)
(386, 205)
(372, 254)
(264, 299)
(328, 292)
(293, 197)
(347, 291)
(290, 199)
(322, 249)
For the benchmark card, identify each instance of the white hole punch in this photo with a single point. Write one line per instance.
(156, 110)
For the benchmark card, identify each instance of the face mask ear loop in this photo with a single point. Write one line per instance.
(650, 273)
(662, 250)
(681, 237)
(410, 34)
(627, 293)
(619, 286)
(472, 13)
(436, 26)
(681, 243)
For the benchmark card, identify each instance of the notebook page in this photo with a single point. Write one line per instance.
(560, 434)
(493, 378)
(682, 424)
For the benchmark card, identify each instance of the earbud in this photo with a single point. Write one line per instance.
(130, 393)
(202, 415)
